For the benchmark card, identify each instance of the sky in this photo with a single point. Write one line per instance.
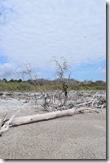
(34, 32)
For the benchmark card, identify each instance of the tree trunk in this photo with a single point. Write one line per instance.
(41, 117)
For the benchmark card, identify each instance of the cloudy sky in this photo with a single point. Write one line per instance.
(34, 31)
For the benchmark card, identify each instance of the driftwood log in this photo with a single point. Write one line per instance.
(41, 117)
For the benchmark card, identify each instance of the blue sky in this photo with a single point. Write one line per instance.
(35, 31)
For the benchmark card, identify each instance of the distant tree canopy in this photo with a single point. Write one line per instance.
(4, 80)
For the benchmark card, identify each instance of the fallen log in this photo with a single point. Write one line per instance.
(6, 126)
(41, 117)
(1, 123)
(87, 109)
(2, 120)
(13, 121)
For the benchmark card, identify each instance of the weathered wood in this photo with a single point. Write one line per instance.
(87, 109)
(41, 117)
(5, 127)
(2, 120)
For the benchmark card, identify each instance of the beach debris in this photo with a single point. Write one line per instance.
(7, 124)
(57, 105)
(16, 121)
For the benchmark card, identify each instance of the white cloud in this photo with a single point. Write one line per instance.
(7, 70)
(42, 29)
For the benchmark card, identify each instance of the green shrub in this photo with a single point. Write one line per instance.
(26, 86)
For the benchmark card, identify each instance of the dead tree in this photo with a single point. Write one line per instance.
(61, 66)
(14, 121)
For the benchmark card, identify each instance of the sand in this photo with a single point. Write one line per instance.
(82, 136)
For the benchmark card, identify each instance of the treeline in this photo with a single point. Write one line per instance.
(44, 81)
(45, 84)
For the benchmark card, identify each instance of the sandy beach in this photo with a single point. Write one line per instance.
(81, 136)
(53, 61)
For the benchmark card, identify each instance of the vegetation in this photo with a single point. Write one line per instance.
(61, 67)
(29, 85)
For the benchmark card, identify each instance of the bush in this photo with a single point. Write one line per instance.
(26, 86)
